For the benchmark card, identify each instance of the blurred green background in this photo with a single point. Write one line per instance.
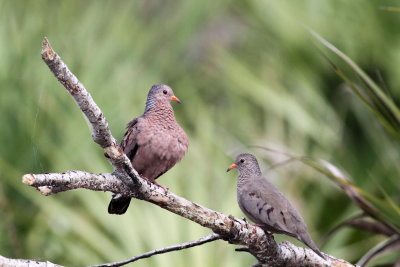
(248, 73)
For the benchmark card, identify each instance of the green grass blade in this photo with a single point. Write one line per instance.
(380, 103)
(377, 208)
(361, 95)
(386, 246)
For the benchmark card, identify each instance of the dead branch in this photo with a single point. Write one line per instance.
(125, 180)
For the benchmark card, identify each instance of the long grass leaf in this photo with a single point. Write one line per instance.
(384, 247)
(364, 99)
(379, 102)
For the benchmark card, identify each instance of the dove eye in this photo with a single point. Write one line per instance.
(242, 160)
(165, 92)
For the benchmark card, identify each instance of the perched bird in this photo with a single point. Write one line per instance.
(154, 142)
(265, 205)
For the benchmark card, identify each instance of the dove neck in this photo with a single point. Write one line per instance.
(160, 110)
(151, 104)
(246, 176)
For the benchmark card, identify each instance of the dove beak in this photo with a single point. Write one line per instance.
(174, 98)
(233, 166)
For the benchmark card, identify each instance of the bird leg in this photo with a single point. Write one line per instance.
(147, 179)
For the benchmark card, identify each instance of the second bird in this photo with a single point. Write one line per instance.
(154, 142)
(265, 205)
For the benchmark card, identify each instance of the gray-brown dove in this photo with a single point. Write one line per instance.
(265, 205)
(154, 142)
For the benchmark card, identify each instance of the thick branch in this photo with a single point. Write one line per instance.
(236, 231)
(198, 242)
(52, 183)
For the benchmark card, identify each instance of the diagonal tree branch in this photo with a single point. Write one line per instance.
(125, 180)
(190, 244)
(100, 132)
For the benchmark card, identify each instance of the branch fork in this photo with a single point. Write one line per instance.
(125, 180)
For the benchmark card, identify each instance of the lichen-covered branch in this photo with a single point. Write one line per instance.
(235, 231)
(6, 262)
(52, 183)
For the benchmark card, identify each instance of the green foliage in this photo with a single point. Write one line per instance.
(247, 73)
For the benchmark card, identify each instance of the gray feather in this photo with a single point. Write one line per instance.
(265, 205)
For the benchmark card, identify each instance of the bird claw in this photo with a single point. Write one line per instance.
(263, 227)
(234, 219)
(268, 233)
(166, 189)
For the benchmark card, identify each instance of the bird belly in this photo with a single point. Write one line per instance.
(152, 162)
(248, 213)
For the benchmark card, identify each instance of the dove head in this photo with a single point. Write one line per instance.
(247, 164)
(160, 95)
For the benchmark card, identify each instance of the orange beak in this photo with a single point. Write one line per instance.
(174, 98)
(233, 166)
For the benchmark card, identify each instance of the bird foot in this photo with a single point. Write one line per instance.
(263, 227)
(234, 219)
(166, 189)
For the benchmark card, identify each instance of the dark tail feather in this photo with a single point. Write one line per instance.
(306, 239)
(118, 205)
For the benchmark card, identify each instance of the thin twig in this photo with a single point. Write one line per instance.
(190, 244)
(242, 249)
